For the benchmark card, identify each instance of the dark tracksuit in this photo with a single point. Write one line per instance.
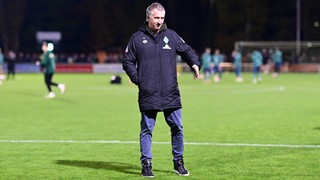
(48, 64)
(11, 67)
(150, 63)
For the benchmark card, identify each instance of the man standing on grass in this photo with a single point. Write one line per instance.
(277, 60)
(150, 63)
(256, 57)
(11, 61)
(217, 59)
(237, 63)
(48, 66)
(1, 67)
(206, 64)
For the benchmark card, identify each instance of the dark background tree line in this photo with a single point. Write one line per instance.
(91, 25)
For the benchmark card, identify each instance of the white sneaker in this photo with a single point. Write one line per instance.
(51, 95)
(62, 88)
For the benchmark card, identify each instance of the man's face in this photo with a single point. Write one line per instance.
(156, 20)
(44, 48)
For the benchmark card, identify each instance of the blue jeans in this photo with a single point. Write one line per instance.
(277, 67)
(207, 72)
(256, 72)
(217, 70)
(237, 71)
(174, 121)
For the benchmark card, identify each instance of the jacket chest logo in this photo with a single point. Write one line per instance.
(166, 41)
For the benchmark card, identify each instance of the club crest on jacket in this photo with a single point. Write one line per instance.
(166, 40)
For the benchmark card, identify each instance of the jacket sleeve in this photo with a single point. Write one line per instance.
(43, 61)
(187, 54)
(129, 62)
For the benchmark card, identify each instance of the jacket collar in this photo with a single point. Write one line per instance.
(146, 28)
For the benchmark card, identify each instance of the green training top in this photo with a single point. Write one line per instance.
(48, 62)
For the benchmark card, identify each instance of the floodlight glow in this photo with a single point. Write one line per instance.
(309, 44)
(50, 47)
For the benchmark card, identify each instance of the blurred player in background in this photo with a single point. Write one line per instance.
(206, 64)
(48, 67)
(277, 60)
(11, 61)
(2, 77)
(256, 57)
(237, 62)
(150, 63)
(217, 59)
(265, 62)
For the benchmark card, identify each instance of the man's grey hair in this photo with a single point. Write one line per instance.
(153, 6)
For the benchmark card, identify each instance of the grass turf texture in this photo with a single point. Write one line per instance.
(283, 110)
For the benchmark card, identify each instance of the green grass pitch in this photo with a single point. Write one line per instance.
(269, 130)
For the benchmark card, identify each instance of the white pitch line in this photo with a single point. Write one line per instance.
(257, 145)
(136, 142)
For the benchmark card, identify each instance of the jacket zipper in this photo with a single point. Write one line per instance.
(160, 77)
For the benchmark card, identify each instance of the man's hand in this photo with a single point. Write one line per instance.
(196, 71)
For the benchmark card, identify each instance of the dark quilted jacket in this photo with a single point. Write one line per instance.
(150, 63)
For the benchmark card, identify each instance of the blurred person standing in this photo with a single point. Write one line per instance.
(237, 62)
(48, 67)
(11, 61)
(217, 59)
(265, 61)
(206, 64)
(2, 77)
(277, 60)
(256, 57)
(149, 61)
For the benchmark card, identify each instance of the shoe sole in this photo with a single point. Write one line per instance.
(148, 176)
(177, 172)
(49, 97)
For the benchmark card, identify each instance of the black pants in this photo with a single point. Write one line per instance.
(48, 81)
(11, 71)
